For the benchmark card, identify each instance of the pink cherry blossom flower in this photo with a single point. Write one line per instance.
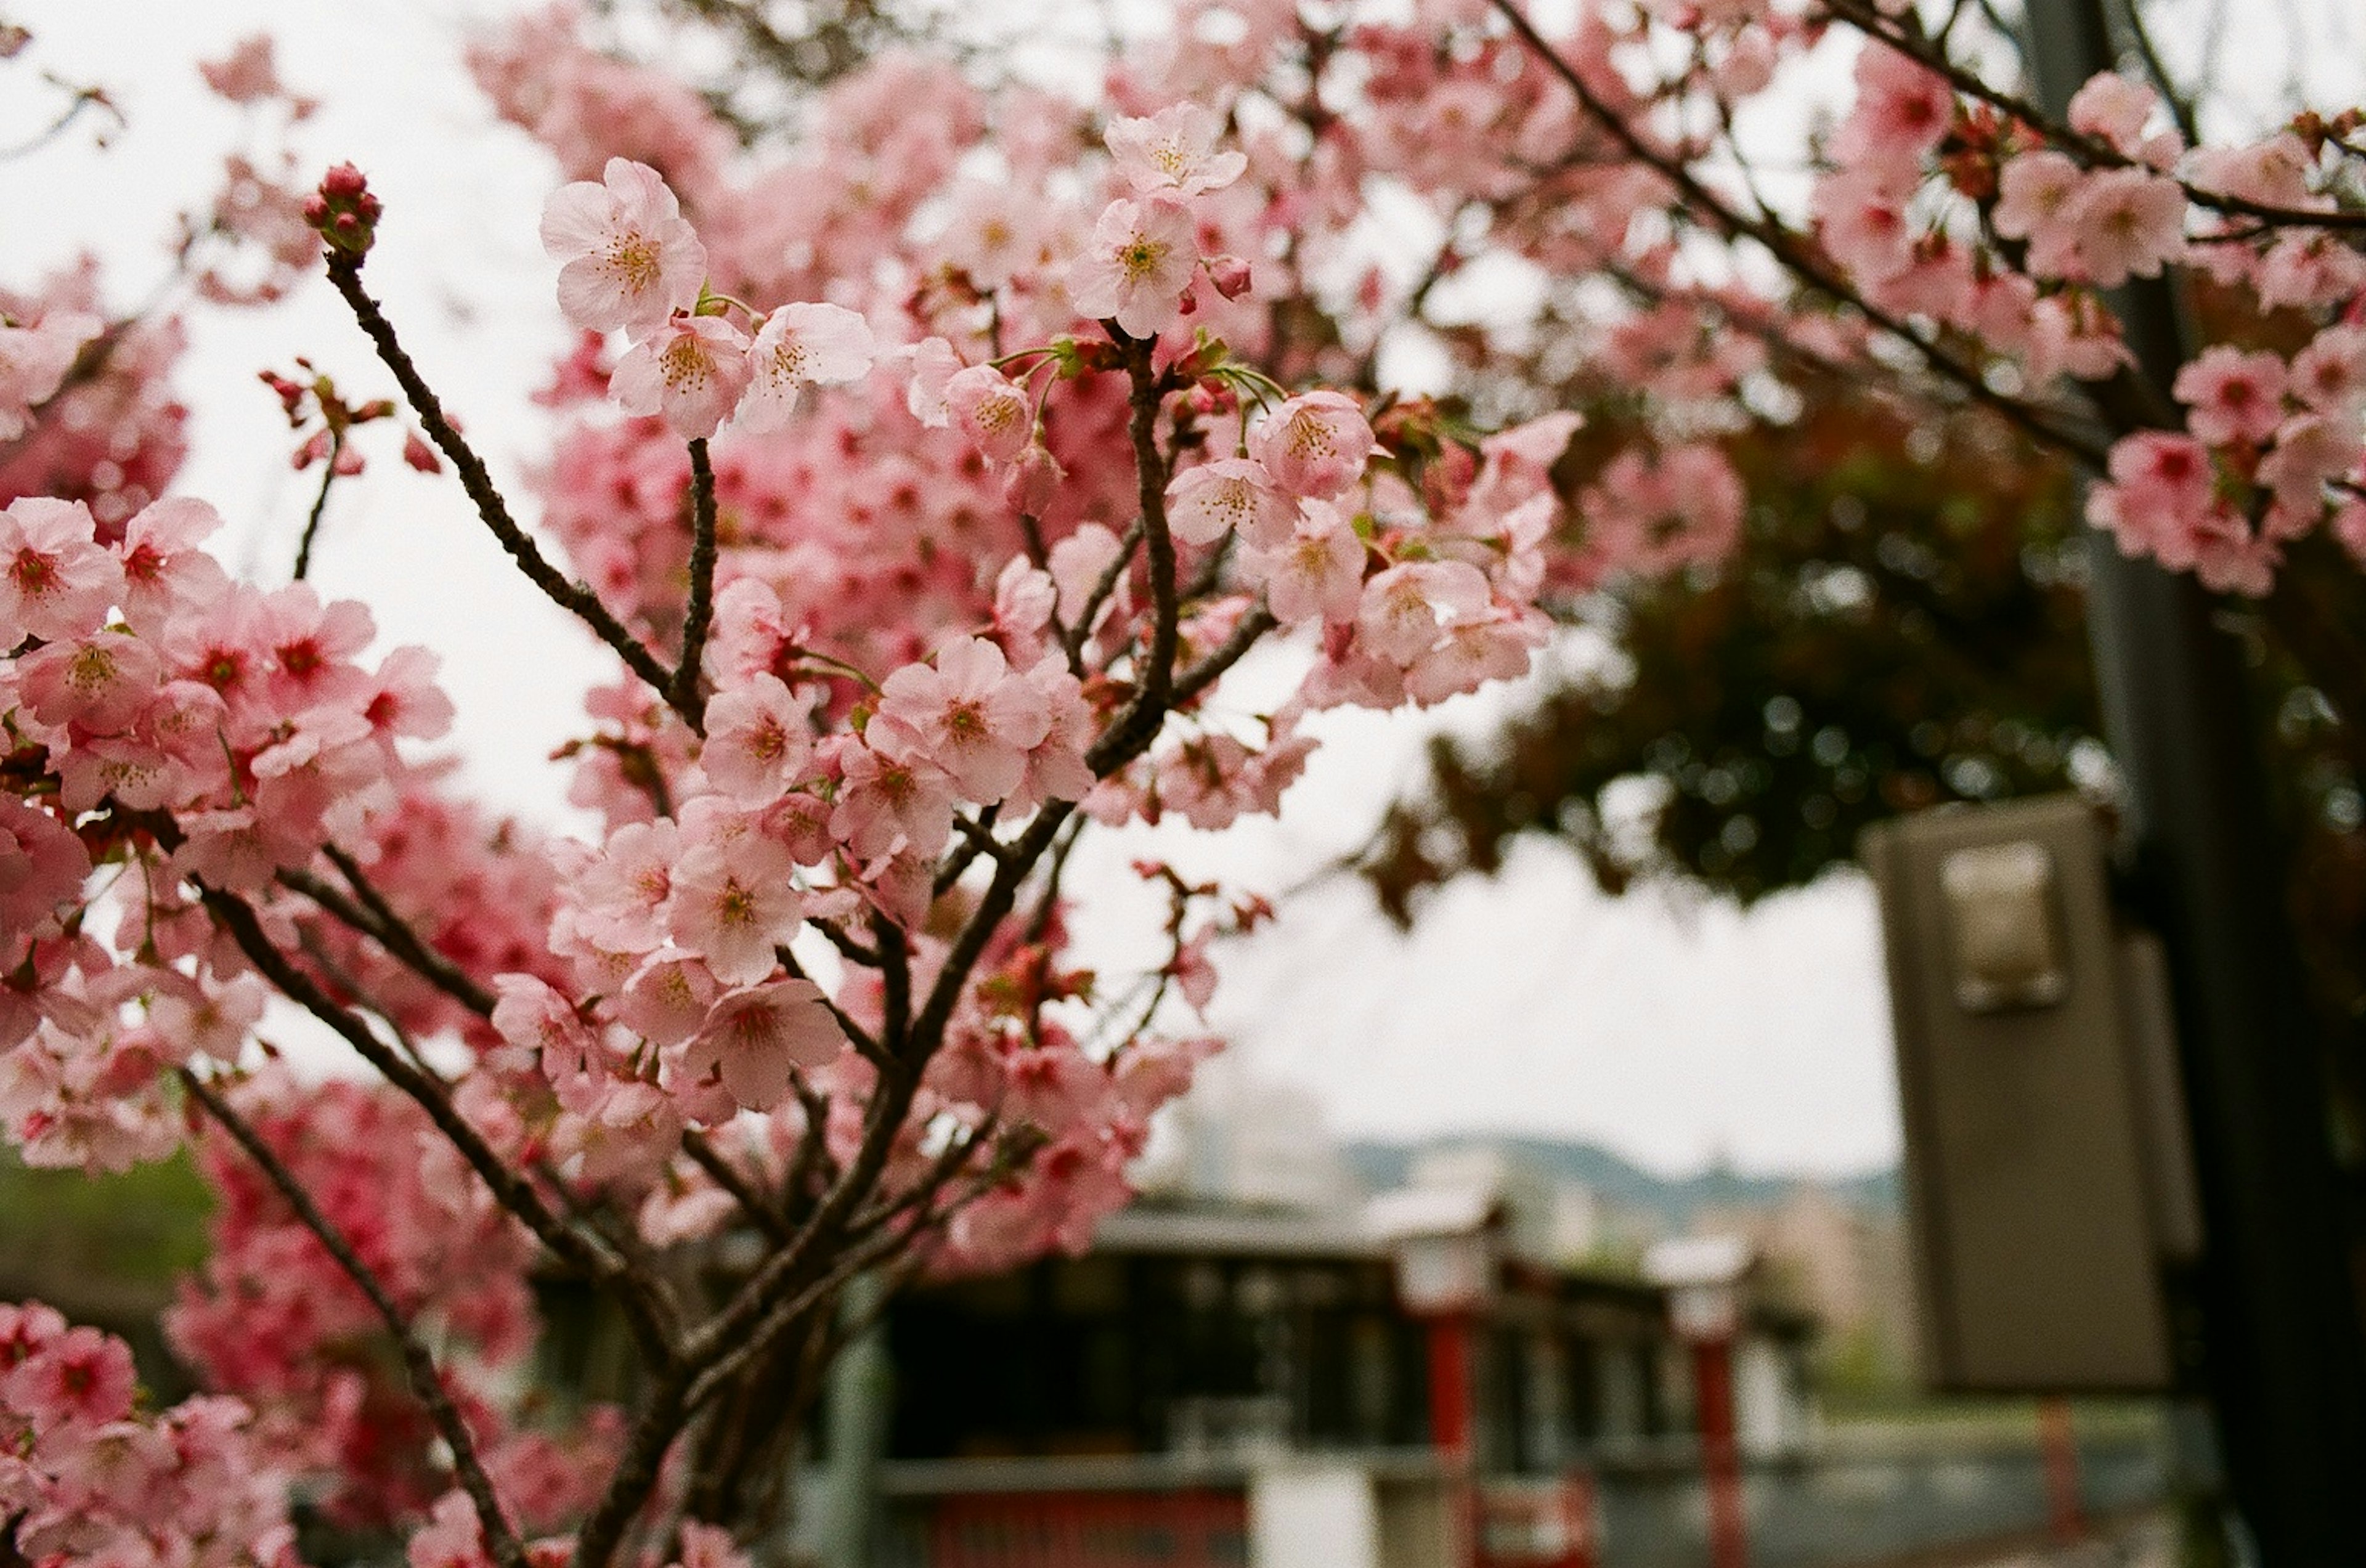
(101, 682)
(1056, 769)
(1861, 217)
(693, 371)
(1206, 503)
(164, 568)
(758, 737)
(55, 580)
(2115, 109)
(968, 715)
(892, 805)
(2329, 375)
(81, 1379)
(2035, 194)
(1493, 644)
(992, 412)
(666, 999)
(1174, 150)
(1317, 573)
(631, 260)
(1404, 609)
(932, 363)
(732, 905)
(800, 346)
(2233, 396)
(755, 1040)
(35, 359)
(1315, 445)
(1137, 264)
(994, 230)
(402, 698)
(41, 867)
(2311, 450)
(2129, 225)
(1903, 109)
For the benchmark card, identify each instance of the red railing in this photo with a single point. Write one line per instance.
(1200, 1528)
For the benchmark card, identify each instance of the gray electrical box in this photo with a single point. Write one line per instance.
(2048, 1177)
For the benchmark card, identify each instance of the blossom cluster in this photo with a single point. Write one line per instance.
(1953, 213)
(87, 1475)
(142, 681)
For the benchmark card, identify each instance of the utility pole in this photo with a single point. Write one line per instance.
(2283, 1358)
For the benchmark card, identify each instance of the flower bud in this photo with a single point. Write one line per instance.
(343, 211)
(1230, 274)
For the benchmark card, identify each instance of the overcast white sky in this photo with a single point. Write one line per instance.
(1673, 1033)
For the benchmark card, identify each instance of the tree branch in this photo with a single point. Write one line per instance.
(419, 1366)
(682, 694)
(345, 272)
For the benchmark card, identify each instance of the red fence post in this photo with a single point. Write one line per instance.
(2059, 1443)
(1450, 1422)
(1728, 1545)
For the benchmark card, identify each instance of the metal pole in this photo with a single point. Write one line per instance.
(2282, 1352)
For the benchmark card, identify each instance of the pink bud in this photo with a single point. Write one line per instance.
(1230, 274)
(343, 212)
(421, 455)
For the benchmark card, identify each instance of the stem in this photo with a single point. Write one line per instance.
(682, 694)
(345, 272)
(645, 1300)
(419, 1366)
(397, 935)
(320, 505)
(1787, 249)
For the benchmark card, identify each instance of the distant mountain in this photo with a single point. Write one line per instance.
(1618, 1181)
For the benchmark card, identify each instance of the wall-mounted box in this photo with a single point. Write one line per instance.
(2046, 1174)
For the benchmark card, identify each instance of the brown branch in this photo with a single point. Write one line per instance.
(320, 505)
(682, 694)
(647, 1302)
(2092, 149)
(1253, 625)
(419, 1366)
(399, 938)
(345, 272)
(1790, 250)
(724, 1174)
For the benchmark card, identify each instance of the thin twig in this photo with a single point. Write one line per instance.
(345, 272)
(398, 938)
(1787, 248)
(645, 1301)
(419, 1365)
(320, 505)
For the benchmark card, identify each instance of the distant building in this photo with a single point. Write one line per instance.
(1199, 1355)
(1844, 1264)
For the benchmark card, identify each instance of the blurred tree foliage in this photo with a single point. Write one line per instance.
(1903, 626)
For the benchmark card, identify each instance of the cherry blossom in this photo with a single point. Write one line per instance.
(1315, 445)
(755, 1040)
(1174, 150)
(630, 258)
(1137, 264)
(35, 359)
(800, 346)
(1206, 503)
(692, 370)
(968, 715)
